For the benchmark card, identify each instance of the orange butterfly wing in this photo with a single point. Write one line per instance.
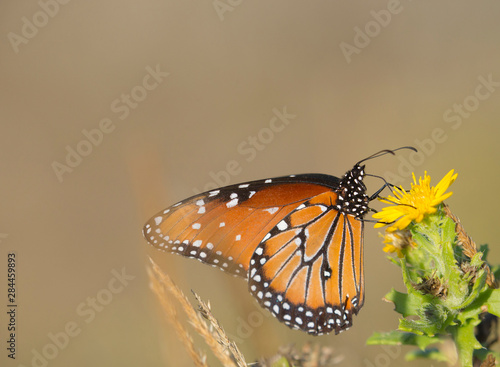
(223, 227)
(308, 270)
(297, 239)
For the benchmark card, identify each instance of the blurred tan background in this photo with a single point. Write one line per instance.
(220, 72)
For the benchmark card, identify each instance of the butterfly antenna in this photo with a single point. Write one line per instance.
(386, 184)
(384, 152)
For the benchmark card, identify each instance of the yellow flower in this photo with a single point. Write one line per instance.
(397, 241)
(414, 205)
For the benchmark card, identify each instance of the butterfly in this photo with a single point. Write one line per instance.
(297, 239)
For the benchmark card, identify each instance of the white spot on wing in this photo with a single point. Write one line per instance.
(158, 220)
(271, 210)
(282, 225)
(232, 203)
(196, 226)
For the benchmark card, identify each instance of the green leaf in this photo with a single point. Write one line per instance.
(477, 259)
(478, 286)
(484, 249)
(475, 307)
(493, 302)
(406, 305)
(447, 239)
(393, 260)
(434, 319)
(470, 312)
(420, 327)
(401, 338)
(432, 353)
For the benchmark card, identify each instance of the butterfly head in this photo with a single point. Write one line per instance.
(352, 198)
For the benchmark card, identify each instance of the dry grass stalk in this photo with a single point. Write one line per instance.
(463, 239)
(220, 334)
(489, 361)
(198, 357)
(468, 245)
(161, 284)
(432, 285)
